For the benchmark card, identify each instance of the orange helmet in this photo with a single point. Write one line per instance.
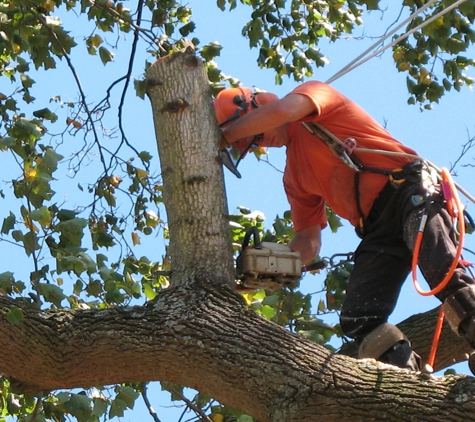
(232, 103)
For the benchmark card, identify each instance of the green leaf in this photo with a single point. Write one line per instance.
(17, 235)
(8, 223)
(149, 292)
(187, 29)
(94, 41)
(49, 161)
(245, 418)
(211, 50)
(140, 88)
(268, 312)
(72, 231)
(372, 4)
(117, 408)
(42, 215)
(145, 156)
(333, 221)
(26, 81)
(88, 262)
(52, 293)
(105, 55)
(15, 315)
(79, 405)
(221, 4)
(100, 407)
(30, 242)
(65, 215)
(128, 395)
(6, 281)
(94, 288)
(45, 113)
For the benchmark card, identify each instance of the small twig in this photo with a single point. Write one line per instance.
(189, 403)
(78, 84)
(148, 34)
(147, 403)
(127, 82)
(37, 407)
(465, 148)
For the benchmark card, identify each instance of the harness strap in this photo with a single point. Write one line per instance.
(410, 172)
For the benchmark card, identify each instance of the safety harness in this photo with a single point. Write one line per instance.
(344, 150)
(414, 172)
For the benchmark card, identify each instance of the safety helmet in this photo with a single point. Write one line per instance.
(232, 103)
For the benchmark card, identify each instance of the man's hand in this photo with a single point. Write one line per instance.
(308, 242)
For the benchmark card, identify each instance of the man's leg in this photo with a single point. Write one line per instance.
(436, 256)
(382, 263)
(371, 296)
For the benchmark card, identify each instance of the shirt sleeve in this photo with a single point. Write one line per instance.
(306, 210)
(325, 98)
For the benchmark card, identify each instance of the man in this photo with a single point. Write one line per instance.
(384, 196)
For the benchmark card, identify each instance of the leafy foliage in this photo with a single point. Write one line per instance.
(83, 252)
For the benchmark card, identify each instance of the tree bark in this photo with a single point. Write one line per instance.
(193, 188)
(207, 339)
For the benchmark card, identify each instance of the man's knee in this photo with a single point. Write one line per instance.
(459, 309)
(388, 344)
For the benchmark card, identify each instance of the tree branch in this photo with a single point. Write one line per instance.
(207, 339)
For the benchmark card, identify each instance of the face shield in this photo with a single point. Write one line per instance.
(230, 104)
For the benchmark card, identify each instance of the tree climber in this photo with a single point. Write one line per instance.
(384, 197)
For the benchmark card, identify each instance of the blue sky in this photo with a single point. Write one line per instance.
(437, 134)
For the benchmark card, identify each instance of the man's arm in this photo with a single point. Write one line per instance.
(291, 108)
(308, 242)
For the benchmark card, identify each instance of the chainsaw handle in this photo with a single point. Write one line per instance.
(254, 232)
(319, 265)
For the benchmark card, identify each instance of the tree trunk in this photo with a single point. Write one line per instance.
(199, 333)
(193, 188)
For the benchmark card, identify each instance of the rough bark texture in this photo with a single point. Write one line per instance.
(206, 338)
(194, 196)
(199, 333)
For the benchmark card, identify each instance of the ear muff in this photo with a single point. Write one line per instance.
(231, 103)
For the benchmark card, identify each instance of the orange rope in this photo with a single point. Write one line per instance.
(435, 340)
(455, 209)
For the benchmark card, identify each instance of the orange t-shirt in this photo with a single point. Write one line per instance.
(314, 175)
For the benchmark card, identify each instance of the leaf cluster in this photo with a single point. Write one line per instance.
(434, 57)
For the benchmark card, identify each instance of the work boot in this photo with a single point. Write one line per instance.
(403, 356)
(388, 344)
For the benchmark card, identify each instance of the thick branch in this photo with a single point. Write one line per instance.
(207, 339)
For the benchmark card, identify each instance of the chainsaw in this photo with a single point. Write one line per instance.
(268, 265)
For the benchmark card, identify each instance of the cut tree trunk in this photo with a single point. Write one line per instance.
(193, 187)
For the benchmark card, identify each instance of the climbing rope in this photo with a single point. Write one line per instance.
(455, 209)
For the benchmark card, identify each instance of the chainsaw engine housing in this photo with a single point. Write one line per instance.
(268, 266)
